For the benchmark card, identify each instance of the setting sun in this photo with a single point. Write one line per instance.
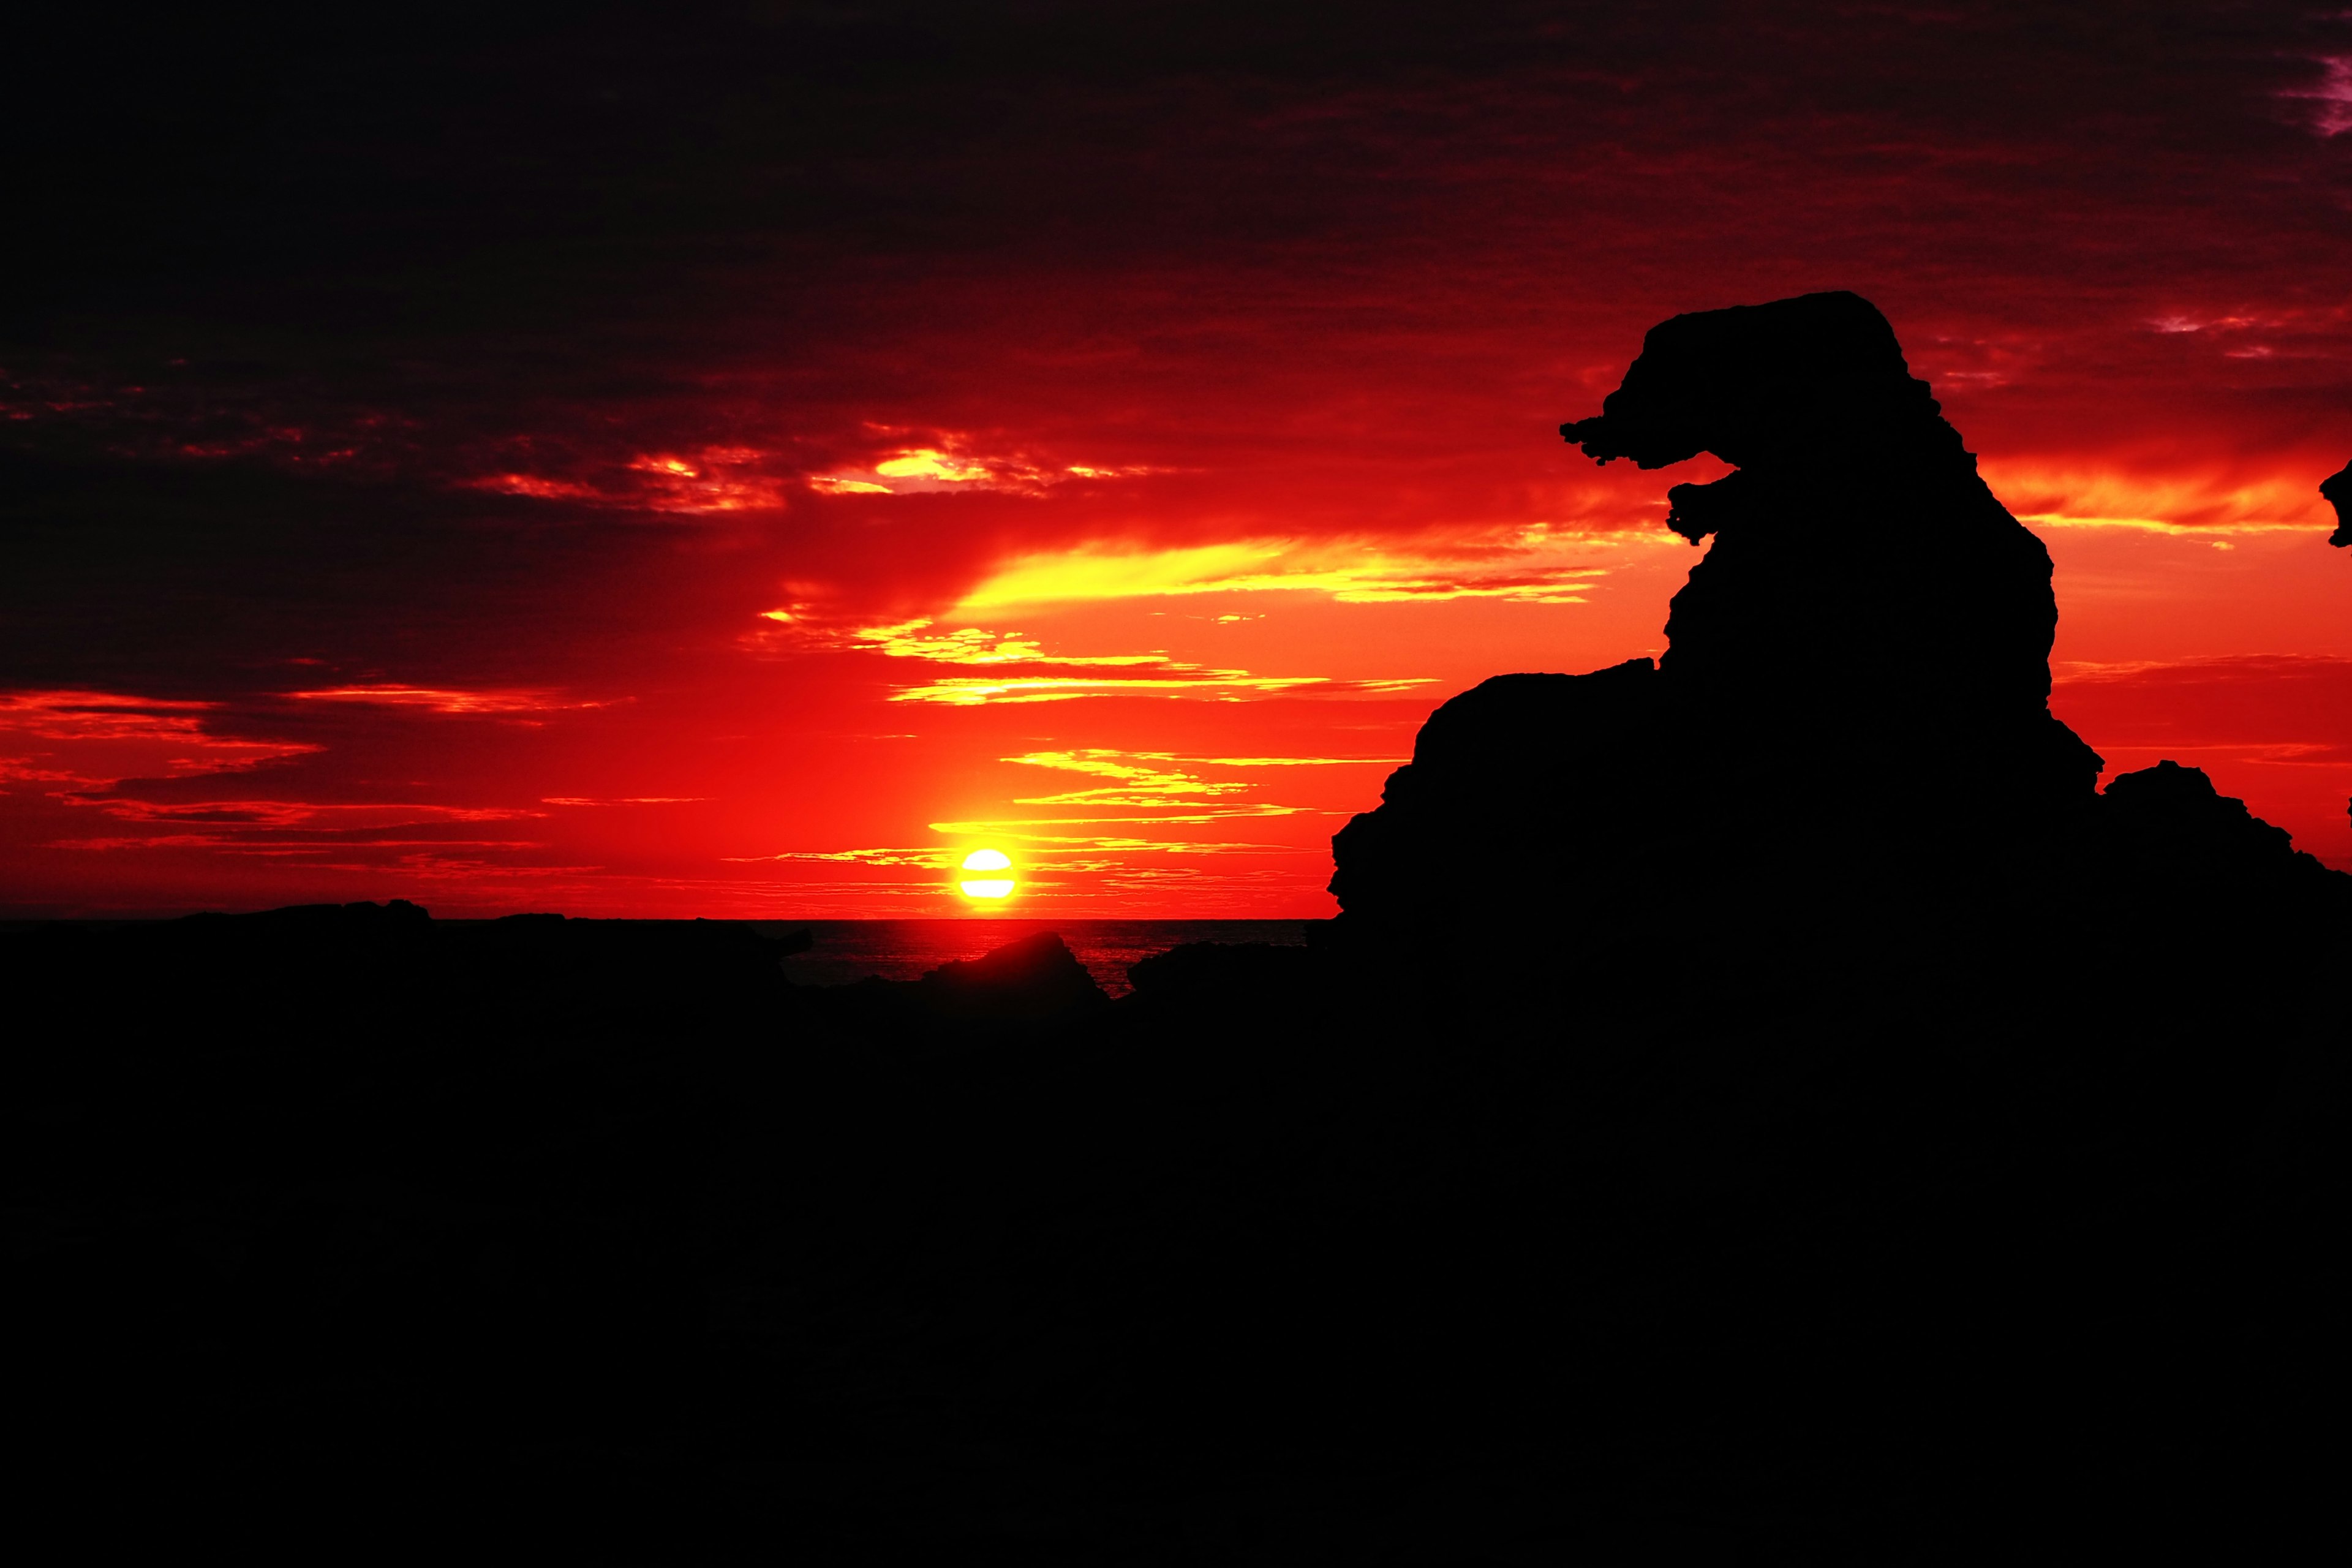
(985, 886)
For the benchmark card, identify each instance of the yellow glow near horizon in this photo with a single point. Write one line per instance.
(1531, 567)
(1119, 575)
(987, 886)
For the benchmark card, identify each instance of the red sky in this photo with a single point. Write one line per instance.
(732, 462)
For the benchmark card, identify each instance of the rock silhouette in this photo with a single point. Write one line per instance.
(1030, 980)
(2196, 843)
(1854, 707)
(2337, 489)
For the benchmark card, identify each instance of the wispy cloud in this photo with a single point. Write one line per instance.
(444, 700)
(1060, 678)
(1529, 563)
(537, 487)
(2330, 98)
(713, 480)
(2046, 496)
(1139, 782)
(283, 848)
(972, 645)
(947, 461)
(1232, 813)
(102, 736)
(296, 813)
(933, 857)
(1281, 762)
(971, 691)
(72, 715)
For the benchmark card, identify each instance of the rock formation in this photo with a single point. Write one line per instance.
(1859, 666)
(2337, 488)
(1034, 978)
(1853, 708)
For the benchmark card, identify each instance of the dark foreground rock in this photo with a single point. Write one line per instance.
(1029, 981)
(326, 1225)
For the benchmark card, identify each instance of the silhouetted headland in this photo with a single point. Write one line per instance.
(1851, 722)
(1883, 1144)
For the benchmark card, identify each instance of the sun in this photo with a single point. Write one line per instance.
(986, 887)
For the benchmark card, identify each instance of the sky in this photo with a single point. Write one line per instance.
(734, 460)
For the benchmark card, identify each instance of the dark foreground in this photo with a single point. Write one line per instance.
(331, 1224)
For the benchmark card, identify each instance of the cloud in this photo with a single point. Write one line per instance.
(442, 699)
(2043, 494)
(1228, 684)
(1001, 825)
(1350, 572)
(536, 486)
(1124, 845)
(1139, 782)
(1286, 762)
(1153, 674)
(104, 716)
(102, 736)
(933, 858)
(953, 466)
(970, 644)
(277, 814)
(717, 480)
(2330, 98)
(282, 847)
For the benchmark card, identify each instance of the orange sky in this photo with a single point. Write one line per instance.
(750, 519)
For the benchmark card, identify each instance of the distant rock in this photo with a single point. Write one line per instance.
(2177, 829)
(2337, 488)
(1032, 979)
(396, 913)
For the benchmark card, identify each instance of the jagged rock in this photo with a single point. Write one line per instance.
(2182, 832)
(1850, 729)
(2337, 489)
(1034, 978)
(1544, 759)
(1864, 589)
(1855, 538)
(1867, 612)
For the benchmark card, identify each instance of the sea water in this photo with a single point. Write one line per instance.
(844, 952)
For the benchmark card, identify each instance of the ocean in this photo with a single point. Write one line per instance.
(844, 952)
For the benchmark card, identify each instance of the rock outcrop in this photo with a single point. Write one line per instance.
(1027, 980)
(2337, 489)
(1850, 725)
(1858, 675)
